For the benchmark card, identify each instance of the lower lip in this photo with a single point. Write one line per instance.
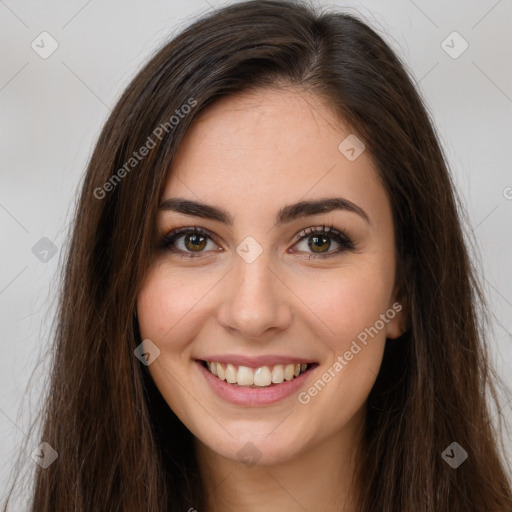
(240, 395)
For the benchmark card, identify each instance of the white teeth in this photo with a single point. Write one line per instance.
(220, 372)
(230, 374)
(245, 376)
(261, 377)
(289, 370)
(278, 374)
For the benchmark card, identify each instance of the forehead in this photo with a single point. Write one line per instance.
(265, 148)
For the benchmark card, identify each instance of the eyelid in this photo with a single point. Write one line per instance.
(323, 230)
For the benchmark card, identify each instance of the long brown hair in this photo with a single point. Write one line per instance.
(120, 447)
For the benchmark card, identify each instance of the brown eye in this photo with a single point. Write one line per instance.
(188, 242)
(195, 242)
(319, 241)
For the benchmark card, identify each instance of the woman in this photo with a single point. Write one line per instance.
(268, 303)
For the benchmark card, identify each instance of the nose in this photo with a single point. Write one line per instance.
(255, 300)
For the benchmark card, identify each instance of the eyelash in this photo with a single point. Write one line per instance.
(345, 242)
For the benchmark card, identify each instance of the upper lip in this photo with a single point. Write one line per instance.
(255, 362)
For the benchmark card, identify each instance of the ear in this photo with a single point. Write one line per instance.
(397, 313)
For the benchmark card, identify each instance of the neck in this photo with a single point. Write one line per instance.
(318, 478)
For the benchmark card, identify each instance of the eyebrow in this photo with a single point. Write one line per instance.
(286, 214)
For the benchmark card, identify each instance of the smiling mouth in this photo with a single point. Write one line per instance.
(262, 377)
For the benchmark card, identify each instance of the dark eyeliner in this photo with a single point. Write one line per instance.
(168, 239)
(345, 242)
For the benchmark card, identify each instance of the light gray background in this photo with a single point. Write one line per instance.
(53, 110)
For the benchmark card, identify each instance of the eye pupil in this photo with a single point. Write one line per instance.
(197, 241)
(316, 245)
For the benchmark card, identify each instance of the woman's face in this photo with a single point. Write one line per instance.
(247, 292)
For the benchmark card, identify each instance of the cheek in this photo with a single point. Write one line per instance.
(348, 324)
(343, 306)
(169, 302)
(168, 305)
(347, 318)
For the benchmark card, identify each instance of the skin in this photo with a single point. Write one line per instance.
(251, 154)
